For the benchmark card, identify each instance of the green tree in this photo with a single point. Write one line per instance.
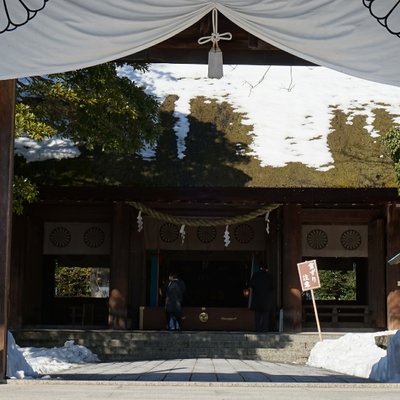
(94, 107)
(337, 285)
(72, 281)
(24, 191)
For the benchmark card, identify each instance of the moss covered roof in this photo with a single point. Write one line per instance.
(217, 155)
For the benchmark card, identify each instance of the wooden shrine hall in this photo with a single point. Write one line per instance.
(344, 229)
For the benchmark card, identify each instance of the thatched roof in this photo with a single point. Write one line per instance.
(256, 127)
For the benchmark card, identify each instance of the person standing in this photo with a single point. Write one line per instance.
(261, 295)
(174, 292)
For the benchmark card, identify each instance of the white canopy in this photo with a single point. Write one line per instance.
(357, 37)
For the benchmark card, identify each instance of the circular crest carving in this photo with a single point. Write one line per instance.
(94, 237)
(60, 237)
(206, 234)
(350, 239)
(169, 232)
(317, 239)
(244, 233)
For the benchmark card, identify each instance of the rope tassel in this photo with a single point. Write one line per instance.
(215, 63)
(215, 59)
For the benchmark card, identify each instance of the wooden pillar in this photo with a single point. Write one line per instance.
(393, 271)
(16, 294)
(120, 260)
(33, 311)
(138, 272)
(7, 116)
(274, 263)
(376, 273)
(291, 287)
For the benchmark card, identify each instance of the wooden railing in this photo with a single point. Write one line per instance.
(336, 314)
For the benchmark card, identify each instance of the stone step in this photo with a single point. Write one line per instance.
(112, 345)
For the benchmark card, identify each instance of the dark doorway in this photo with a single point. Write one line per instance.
(75, 290)
(213, 279)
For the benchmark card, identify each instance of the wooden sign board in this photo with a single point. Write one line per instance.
(308, 273)
(309, 278)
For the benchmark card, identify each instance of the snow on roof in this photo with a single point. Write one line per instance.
(54, 147)
(289, 108)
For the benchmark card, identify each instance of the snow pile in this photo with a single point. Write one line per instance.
(34, 361)
(357, 354)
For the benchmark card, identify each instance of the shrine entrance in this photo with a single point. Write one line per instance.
(217, 289)
(213, 279)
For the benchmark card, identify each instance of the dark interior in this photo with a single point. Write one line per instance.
(212, 279)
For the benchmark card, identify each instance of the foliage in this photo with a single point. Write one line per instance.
(24, 191)
(93, 107)
(26, 122)
(337, 285)
(72, 281)
(392, 143)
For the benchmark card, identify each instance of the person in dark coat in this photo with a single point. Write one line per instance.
(261, 293)
(174, 292)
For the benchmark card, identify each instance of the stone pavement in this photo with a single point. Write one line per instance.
(198, 379)
(204, 370)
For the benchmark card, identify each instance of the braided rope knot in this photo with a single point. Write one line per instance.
(215, 37)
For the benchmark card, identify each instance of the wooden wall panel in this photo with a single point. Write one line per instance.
(340, 216)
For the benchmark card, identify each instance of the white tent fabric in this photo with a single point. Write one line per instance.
(357, 37)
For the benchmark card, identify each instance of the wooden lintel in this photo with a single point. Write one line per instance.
(308, 197)
(252, 42)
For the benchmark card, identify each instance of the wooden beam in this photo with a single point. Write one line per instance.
(230, 56)
(7, 115)
(324, 198)
(243, 48)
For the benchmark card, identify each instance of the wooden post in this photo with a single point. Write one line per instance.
(291, 289)
(7, 116)
(377, 273)
(316, 314)
(138, 271)
(119, 301)
(393, 271)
